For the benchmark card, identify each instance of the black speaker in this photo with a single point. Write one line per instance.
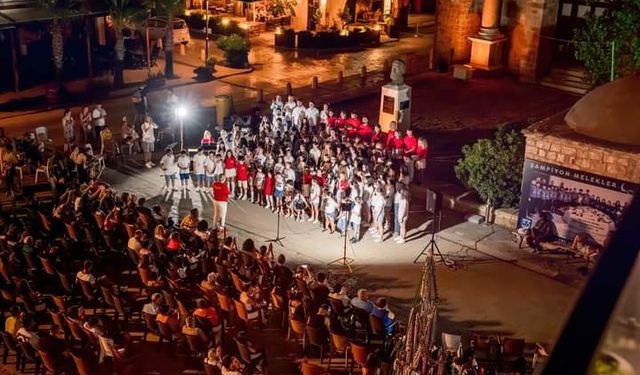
(433, 202)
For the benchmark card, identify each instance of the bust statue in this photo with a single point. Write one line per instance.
(398, 69)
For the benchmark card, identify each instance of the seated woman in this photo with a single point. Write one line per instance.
(584, 245)
(252, 301)
(207, 142)
(191, 329)
(169, 317)
(543, 231)
(174, 244)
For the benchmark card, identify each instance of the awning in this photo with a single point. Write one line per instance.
(15, 16)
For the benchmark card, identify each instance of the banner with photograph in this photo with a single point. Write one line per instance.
(577, 203)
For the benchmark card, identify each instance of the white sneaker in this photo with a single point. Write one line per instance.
(152, 164)
(310, 219)
(316, 222)
(400, 240)
(148, 165)
(377, 240)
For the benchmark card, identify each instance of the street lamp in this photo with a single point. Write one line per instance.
(206, 31)
(181, 113)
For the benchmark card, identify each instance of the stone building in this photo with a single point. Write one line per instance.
(588, 156)
(534, 32)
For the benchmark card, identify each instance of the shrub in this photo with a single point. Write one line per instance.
(620, 24)
(493, 167)
(236, 50)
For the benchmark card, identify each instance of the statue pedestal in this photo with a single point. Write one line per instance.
(486, 54)
(395, 105)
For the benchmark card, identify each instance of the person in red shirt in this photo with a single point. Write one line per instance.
(230, 172)
(174, 244)
(409, 144)
(391, 135)
(378, 136)
(421, 159)
(331, 120)
(353, 125)
(221, 195)
(242, 171)
(397, 145)
(268, 190)
(306, 182)
(365, 131)
(341, 122)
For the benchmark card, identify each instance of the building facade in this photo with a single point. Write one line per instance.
(536, 32)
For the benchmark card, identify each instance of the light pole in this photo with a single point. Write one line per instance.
(206, 31)
(181, 112)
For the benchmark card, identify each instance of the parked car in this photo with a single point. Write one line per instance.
(158, 26)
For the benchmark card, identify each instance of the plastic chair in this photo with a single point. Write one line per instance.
(340, 345)
(359, 353)
(10, 345)
(277, 304)
(243, 314)
(317, 338)
(298, 328)
(150, 325)
(310, 369)
(83, 365)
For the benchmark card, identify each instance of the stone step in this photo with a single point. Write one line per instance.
(561, 77)
(564, 87)
(572, 71)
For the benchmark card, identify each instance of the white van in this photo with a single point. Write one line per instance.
(158, 26)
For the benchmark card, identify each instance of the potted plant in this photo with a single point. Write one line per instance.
(205, 73)
(235, 49)
(156, 80)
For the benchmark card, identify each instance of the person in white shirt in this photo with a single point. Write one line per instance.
(290, 104)
(199, 160)
(168, 166)
(183, 164)
(330, 207)
(324, 114)
(209, 170)
(312, 114)
(148, 140)
(85, 273)
(378, 203)
(403, 213)
(297, 114)
(99, 117)
(355, 219)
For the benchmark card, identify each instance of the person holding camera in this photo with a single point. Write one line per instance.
(355, 220)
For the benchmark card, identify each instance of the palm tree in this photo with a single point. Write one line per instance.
(59, 9)
(123, 14)
(169, 9)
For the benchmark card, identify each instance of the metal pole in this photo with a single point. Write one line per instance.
(181, 133)
(613, 60)
(146, 32)
(206, 31)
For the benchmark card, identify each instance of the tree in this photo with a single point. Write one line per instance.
(123, 14)
(60, 10)
(618, 26)
(170, 9)
(493, 167)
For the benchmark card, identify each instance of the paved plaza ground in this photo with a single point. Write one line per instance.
(498, 289)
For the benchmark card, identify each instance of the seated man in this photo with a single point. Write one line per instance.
(387, 317)
(362, 301)
(543, 231)
(190, 222)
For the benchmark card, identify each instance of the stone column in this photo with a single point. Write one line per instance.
(487, 45)
(490, 24)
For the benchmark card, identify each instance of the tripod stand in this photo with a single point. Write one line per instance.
(278, 239)
(344, 260)
(431, 248)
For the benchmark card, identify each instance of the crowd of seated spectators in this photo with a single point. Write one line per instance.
(82, 275)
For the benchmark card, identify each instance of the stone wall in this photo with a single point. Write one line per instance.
(552, 141)
(456, 20)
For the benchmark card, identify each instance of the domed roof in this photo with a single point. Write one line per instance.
(611, 112)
